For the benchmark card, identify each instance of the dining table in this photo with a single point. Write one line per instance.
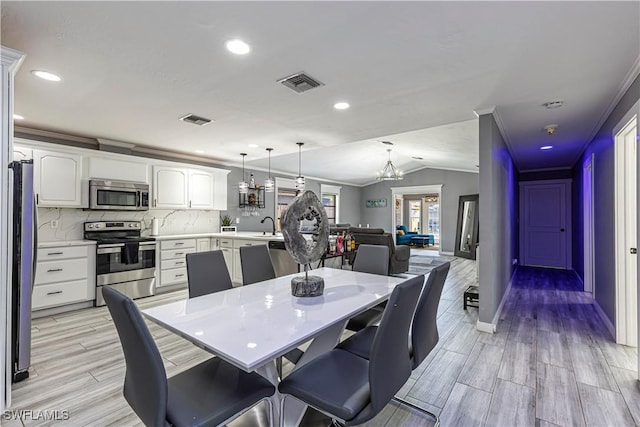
(253, 325)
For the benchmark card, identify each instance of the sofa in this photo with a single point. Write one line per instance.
(398, 255)
(403, 236)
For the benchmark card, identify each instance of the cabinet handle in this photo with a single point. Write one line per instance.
(54, 270)
(155, 203)
(179, 275)
(179, 243)
(179, 262)
(54, 293)
(55, 253)
(189, 203)
(37, 199)
(179, 253)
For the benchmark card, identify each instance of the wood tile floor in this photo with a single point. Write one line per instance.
(551, 363)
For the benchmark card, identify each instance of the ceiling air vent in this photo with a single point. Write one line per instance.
(300, 82)
(195, 120)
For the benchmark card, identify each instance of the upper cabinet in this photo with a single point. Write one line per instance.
(117, 169)
(201, 189)
(57, 179)
(170, 188)
(181, 188)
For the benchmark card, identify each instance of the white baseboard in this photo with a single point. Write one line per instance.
(446, 253)
(605, 319)
(491, 327)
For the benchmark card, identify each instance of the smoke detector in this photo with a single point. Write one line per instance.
(550, 129)
(553, 104)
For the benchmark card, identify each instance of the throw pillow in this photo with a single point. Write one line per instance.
(400, 232)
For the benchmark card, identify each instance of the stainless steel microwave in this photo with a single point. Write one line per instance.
(118, 195)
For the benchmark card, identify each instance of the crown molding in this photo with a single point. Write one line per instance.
(484, 110)
(11, 58)
(507, 141)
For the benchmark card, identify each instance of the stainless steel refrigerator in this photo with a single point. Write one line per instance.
(25, 243)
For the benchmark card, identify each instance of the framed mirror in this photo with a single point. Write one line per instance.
(467, 230)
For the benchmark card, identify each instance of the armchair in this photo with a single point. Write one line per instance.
(398, 255)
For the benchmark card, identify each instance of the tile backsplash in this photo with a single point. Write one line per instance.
(71, 221)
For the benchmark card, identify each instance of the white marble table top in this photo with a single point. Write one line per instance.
(251, 325)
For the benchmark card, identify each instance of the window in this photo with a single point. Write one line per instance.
(331, 202)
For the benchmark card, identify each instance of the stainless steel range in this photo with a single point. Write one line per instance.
(124, 260)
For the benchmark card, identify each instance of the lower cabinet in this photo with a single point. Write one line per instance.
(173, 264)
(64, 275)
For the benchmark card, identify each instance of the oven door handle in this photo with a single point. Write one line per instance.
(117, 248)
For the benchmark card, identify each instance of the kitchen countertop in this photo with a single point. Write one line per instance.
(249, 235)
(58, 243)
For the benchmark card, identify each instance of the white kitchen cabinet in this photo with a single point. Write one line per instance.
(170, 187)
(220, 190)
(57, 179)
(215, 244)
(117, 169)
(64, 275)
(203, 245)
(201, 189)
(173, 265)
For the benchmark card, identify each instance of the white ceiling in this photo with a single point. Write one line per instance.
(413, 72)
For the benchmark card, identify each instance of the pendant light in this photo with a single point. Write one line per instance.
(269, 184)
(243, 187)
(389, 172)
(300, 178)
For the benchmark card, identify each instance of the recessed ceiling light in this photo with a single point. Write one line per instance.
(546, 147)
(387, 142)
(417, 158)
(200, 151)
(341, 105)
(253, 145)
(18, 117)
(238, 47)
(46, 75)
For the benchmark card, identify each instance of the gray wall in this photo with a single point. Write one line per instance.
(349, 200)
(498, 217)
(602, 146)
(454, 185)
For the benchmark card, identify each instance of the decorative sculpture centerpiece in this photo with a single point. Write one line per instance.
(307, 207)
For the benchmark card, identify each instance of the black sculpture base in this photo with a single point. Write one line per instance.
(309, 286)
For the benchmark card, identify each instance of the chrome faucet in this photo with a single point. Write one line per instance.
(273, 224)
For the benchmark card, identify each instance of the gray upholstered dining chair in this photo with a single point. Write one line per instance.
(256, 264)
(370, 259)
(207, 273)
(424, 328)
(207, 394)
(354, 389)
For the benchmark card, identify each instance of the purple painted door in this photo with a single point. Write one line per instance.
(545, 228)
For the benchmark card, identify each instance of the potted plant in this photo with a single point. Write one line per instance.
(225, 224)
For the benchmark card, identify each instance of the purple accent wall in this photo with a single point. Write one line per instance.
(602, 146)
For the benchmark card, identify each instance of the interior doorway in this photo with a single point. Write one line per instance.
(626, 233)
(418, 209)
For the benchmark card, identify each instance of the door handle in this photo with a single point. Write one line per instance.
(633, 250)
(562, 230)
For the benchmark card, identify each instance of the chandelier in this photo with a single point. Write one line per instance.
(389, 172)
